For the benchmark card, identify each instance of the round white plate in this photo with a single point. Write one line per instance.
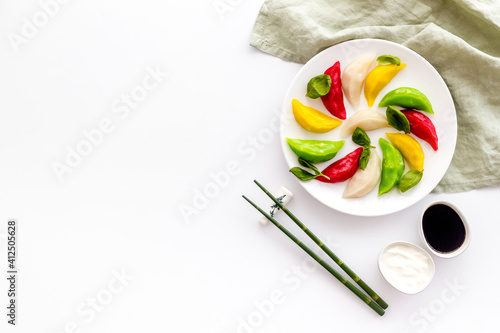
(418, 74)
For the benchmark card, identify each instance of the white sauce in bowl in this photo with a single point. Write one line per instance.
(407, 267)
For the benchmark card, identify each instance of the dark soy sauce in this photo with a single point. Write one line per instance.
(443, 228)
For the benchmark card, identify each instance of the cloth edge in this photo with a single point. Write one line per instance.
(466, 186)
(258, 40)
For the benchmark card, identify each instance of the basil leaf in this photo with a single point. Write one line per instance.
(302, 174)
(307, 164)
(388, 60)
(364, 158)
(360, 137)
(397, 119)
(410, 179)
(304, 163)
(319, 86)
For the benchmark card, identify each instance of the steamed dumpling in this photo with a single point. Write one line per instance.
(354, 76)
(365, 180)
(367, 119)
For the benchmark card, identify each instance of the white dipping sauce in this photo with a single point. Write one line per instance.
(406, 267)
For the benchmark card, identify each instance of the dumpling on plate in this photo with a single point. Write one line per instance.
(364, 181)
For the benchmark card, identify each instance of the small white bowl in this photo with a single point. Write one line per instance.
(462, 247)
(407, 267)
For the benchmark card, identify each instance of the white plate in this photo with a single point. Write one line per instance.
(418, 74)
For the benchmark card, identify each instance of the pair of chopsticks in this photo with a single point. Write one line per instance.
(381, 303)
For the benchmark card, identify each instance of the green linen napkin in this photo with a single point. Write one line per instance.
(460, 38)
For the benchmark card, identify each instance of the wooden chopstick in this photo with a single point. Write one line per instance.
(325, 248)
(320, 261)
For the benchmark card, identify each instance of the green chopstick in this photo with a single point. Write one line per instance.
(330, 269)
(329, 252)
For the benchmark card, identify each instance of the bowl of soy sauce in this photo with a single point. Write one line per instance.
(444, 230)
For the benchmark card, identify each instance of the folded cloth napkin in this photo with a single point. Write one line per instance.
(460, 38)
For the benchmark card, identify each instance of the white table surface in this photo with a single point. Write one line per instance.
(103, 246)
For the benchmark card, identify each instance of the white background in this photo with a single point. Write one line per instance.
(117, 211)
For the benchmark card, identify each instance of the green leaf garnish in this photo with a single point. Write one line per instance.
(302, 174)
(309, 165)
(397, 119)
(364, 158)
(319, 86)
(306, 175)
(410, 179)
(360, 137)
(388, 60)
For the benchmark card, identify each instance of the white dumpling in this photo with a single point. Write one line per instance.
(367, 119)
(365, 180)
(353, 77)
